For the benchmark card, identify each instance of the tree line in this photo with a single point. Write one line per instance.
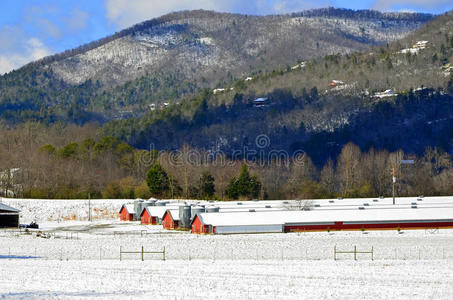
(70, 162)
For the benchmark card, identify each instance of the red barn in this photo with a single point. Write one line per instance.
(170, 219)
(127, 212)
(147, 218)
(198, 227)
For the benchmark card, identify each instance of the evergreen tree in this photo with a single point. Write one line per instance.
(245, 185)
(157, 181)
(206, 185)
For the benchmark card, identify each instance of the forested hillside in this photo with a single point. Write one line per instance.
(179, 54)
(393, 97)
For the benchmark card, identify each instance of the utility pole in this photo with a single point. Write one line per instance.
(89, 207)
(395, 169)
(393, 183)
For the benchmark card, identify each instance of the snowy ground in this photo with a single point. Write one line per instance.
(81, 260)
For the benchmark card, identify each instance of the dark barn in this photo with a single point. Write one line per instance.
(9, 216)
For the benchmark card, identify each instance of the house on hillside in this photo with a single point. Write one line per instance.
(386, 93)
(216, 91)
(335, 83)
(261, 102)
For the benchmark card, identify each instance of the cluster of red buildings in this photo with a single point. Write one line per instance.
(287, 216)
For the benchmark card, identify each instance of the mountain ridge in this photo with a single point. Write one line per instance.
(180, 54)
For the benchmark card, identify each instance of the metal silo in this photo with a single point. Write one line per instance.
(184, 216)
(145, 205)
(196, 210)
(138, 206)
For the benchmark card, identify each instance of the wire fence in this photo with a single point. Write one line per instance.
(73, 245)
(176, 253)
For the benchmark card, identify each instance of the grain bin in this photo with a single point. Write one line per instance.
(138, 206)
(196, 210)
(147, 204)
(184, 216)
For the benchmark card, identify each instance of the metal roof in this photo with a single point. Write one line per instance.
(8, 208)
(323, 216)
(174, 214)
(129, 208)
(158, 211)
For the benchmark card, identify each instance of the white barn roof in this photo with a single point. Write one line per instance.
(129, 208)
(159, 211)
(174, 214)
(324, 216)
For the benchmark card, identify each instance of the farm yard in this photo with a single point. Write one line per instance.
(81, 259)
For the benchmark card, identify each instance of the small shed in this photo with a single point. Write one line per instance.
(9, 216)
(127, 212)
(170, 220)
(147, 217)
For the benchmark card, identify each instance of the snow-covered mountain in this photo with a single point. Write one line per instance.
(202, 43)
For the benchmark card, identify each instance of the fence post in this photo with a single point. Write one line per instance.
(372, 253)
(355, 252)
(164, 253)
(100, 253)
(120, 253)
(335, 252)
(143, 256)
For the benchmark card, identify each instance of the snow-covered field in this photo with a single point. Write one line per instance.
(80, 260)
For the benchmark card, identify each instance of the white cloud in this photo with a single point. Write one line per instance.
(49, 28)
(429, 5)
(16, 49)
(124, 13)
(78, 20)
(288, 6)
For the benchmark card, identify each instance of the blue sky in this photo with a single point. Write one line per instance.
(31, 29)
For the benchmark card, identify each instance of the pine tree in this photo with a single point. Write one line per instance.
(206, 185)
(157, 180)
(245, 185)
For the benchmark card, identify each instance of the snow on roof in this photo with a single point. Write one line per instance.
(159, 211)
(325, 216)
(129, 208)
(379, 201)
(8, 208)
(174, 214)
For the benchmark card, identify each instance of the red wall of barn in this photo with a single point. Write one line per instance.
(168, 222)
(375, 226)
(198, 227)
(196, 224)
(125, 216)
(145, 219)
